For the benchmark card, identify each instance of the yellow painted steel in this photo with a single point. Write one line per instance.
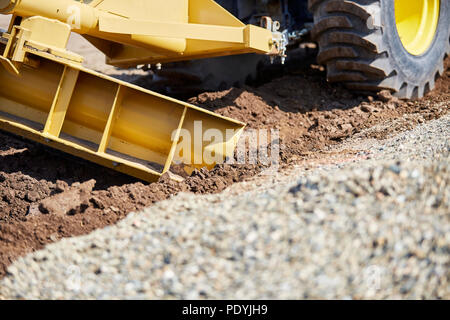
(417, 22)
(49, 97)
(46, 94)
(135, 32)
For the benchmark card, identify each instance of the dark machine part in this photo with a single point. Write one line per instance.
(292, 14)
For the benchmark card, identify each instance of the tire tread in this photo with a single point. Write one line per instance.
(351, 46)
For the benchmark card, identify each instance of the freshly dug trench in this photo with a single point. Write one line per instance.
(310, 114)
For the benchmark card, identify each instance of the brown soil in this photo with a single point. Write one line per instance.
(312, 114)
(46, 195)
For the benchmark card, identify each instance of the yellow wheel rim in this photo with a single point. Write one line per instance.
(416, 22)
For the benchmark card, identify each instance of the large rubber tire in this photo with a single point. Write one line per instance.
(360, 46)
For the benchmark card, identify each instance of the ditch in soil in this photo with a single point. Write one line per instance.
(46, 195)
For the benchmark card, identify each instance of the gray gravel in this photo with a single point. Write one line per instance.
(375, 228)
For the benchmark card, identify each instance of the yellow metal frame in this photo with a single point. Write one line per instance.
(417, 22)
(135, 32)
(46, 95)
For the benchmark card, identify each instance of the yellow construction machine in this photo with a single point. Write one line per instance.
(48, 96)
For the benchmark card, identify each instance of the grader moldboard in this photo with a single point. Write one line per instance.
(48, 96)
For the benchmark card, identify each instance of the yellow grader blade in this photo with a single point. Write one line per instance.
(47, 96)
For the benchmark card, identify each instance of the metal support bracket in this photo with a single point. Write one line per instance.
(14, 53)
(280, 39)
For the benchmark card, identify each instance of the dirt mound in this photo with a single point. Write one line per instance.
(312, 114)
(35, 211)
(36, 183)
